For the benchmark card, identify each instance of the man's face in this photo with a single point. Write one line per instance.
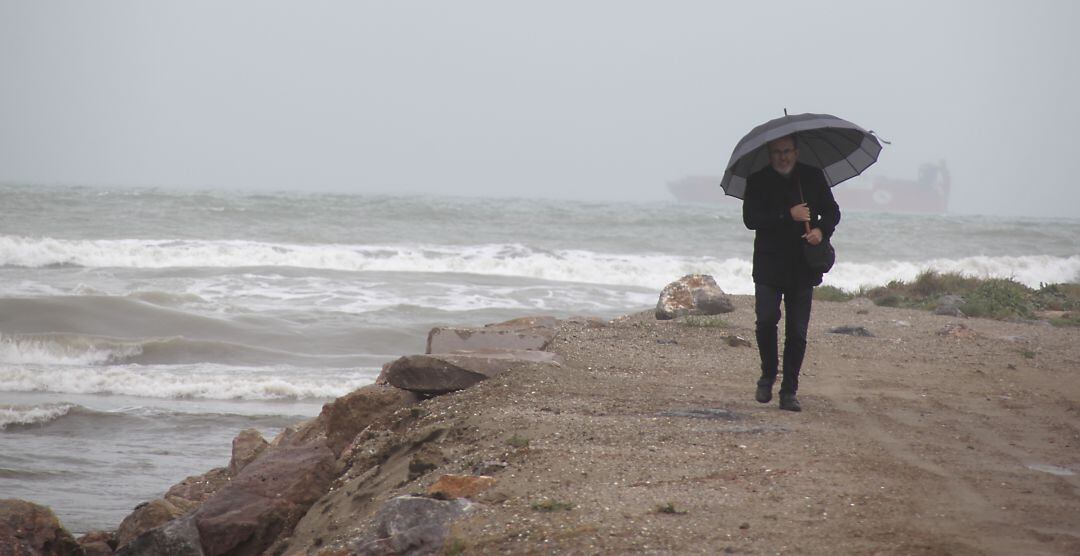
(782, 155)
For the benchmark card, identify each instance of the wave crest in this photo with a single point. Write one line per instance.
(16, 415)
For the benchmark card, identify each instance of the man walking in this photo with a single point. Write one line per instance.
(780, 199)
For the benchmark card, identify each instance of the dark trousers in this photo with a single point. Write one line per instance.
(797, 320)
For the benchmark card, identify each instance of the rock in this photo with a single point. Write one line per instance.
(197, 489)
(949, 305)
(693, 294)
(300, 434)
(489, 467)
(179, 537)
(410, 525)
(265, 499)
(956, 330)
(245, 448)
(737, 341)
(449, 487)
(346, 416)
(98, 543)
(32, 529)
(526, 333)
(434, 374)
(860, 331)
(146, 516)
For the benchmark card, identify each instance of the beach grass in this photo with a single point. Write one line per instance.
(995, 298)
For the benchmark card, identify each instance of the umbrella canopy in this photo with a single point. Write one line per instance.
(840, 148)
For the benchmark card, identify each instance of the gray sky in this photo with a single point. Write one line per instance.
(567, 99)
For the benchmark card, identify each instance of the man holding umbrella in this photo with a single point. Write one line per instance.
(784, 170)
(780, 199)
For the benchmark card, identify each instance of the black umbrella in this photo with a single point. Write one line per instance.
(840, 148)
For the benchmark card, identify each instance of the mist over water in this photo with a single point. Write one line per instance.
(140, 330)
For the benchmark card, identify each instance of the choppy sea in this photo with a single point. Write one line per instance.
(141, 329)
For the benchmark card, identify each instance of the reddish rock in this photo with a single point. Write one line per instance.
(32, 529)
(196, 489)
(346, 416)
(98, 543)
(306, 432)
(436, 374)
(246, 447)
(449, 487)
(265, 500)
(693, 294)
(146, 517)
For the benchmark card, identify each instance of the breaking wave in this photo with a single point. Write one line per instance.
(517, 260)
(214, 382)
(15, 415)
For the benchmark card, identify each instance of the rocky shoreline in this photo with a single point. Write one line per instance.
(921, 434)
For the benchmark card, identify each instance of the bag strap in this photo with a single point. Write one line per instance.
(798, 185)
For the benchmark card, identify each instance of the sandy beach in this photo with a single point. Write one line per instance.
(921, 434)
(936, 435)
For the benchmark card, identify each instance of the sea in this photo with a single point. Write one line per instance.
(142, 329)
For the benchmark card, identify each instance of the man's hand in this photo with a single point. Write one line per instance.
(800, 213)
(813, 237)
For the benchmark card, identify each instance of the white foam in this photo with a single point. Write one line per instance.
(646, 270)
(32, 415)
(64, 350)
(187, 381)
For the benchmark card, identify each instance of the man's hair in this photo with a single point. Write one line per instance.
(794, 140)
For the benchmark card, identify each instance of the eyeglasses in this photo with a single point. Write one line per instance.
(781, 152)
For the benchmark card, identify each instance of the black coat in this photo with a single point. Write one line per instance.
(778, 258)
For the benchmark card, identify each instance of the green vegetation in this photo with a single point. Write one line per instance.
(551, 506)
(703, 321)
(995, 298)
(832, 293)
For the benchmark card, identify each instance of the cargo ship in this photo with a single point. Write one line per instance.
(928, 194)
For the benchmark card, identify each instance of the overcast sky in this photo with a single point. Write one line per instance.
(569, 99)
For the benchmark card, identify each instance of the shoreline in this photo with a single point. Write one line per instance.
(936, 435)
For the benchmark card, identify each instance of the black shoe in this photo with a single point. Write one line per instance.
(788, 402)
(763, 394)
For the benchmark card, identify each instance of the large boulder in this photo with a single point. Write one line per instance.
(265, 499)
(434, 374)
(693, 294)
(410, 525)
(519, 334)
(346, 416)
(98, 543)
(28, 528)
(304, 432)
(247, 446)
(196, 489)
(147, 516)
(178, 537)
